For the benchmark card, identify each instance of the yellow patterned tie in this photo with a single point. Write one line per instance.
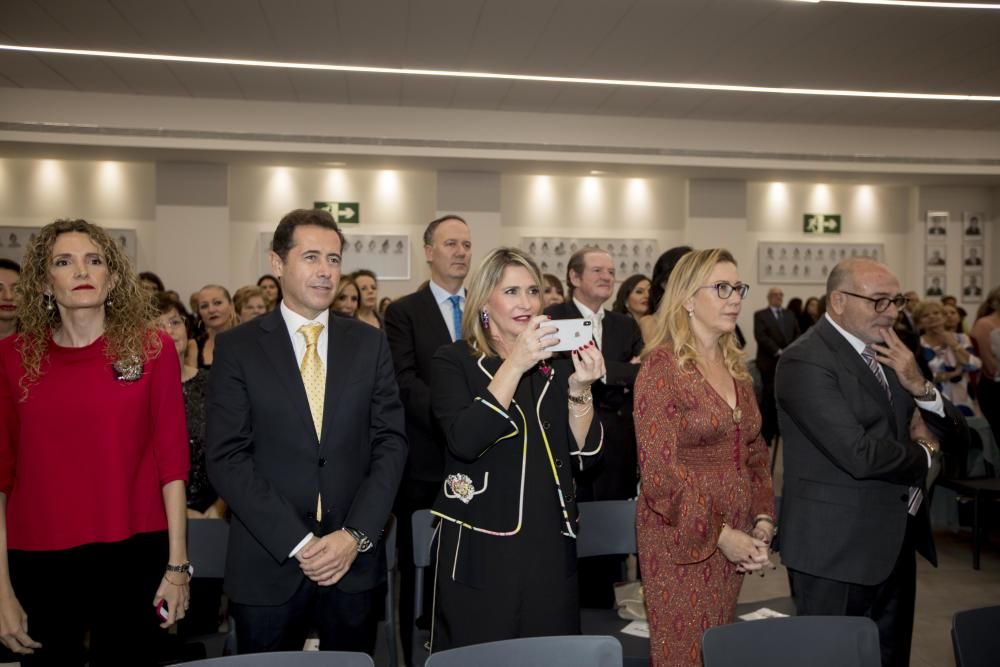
(314, 379)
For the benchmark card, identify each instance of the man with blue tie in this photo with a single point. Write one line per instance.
(417, 325)
(774, 328)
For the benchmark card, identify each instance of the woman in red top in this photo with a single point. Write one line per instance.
(705, 511)
(93, 460)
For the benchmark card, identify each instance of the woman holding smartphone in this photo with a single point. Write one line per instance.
(93, 460)
(517, 425)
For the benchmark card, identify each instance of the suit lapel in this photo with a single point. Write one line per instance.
(441, 328)
(279, 352)
(853, 362)
(339, 345)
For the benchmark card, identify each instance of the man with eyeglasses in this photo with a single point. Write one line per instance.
(861, 428)
(774, 328)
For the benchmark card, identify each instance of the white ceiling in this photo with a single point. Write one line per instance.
(748, 42)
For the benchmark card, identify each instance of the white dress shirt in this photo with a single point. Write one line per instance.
(442, 296)
(597, 320)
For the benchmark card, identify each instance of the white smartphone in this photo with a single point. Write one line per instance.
(572, 334)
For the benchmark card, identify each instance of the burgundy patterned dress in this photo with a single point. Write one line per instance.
(702, 465)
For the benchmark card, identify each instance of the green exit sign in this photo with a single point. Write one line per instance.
(821, 223)
(342, 212)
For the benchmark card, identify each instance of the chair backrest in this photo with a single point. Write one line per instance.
(208, 540)
(606, 527)
(975, 637)
(423, 530)
(816, 641)
(290, 659)
(576, 651)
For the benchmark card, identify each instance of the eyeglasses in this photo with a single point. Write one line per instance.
(725, 290)
(881, 303)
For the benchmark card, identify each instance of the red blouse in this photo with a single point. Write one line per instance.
(85, 457)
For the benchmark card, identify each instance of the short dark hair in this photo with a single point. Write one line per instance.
(282, 241)
(432, 227)
(10, 265)
(165, 303)
(364, 272)
(554, 281)
(153, 278)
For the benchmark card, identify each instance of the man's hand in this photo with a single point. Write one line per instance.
(894, 354)
(327, 559)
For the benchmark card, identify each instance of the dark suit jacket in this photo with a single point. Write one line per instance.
(415, 329)
(488, 443)
(264, 459)
(771, 336)
(849, 461)
(621, 341)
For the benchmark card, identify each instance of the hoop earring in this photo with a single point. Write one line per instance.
(484, 319)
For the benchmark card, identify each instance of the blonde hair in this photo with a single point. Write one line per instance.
(488, 275)
(233, 315)
(924, 308)
(129, 315)
(673, 325)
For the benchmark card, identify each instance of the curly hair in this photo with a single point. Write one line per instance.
(673, 327)
(129, 315)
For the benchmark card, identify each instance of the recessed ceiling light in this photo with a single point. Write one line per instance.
(334, 164)
(402, 71)
(597, 172)
(913, 3)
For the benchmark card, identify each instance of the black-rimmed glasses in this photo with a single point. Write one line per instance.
(725, 290)
(881, 303)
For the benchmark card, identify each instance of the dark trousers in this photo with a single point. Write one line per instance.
(768, 409)
(988, 395)
(414, 494)
(344, 621)
(104, 589)
(890, 604)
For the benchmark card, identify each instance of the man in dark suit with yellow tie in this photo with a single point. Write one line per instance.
(861, 427)
(306, 444)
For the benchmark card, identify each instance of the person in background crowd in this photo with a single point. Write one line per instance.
(10, 273)
(810, 314)
(305, 442)
(988, 388)
(417, 325)
(151, 282)
(953, 319)
(774, 328)
(905, 324)
(202, 500)
(949, 356)
(507, 559)
(795, 308)
(346, 301)
(661, 275)
(554, 292)
(705, 514)
(861, 427)
(633, 297)
(949, 300)
(383, 303)
(368, 293)
(249, 302)
(92, 503)
(173, 294)
(591, 278)
(272, 290)
(215, 309)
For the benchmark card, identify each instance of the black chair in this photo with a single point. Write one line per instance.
(975, 638)
(607, 527)
(389, 623)
(816, 641)
(983, 491)
(207, 541)
(575, 651)
(289, 659)
(424, 526)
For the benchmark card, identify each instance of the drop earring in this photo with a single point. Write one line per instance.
(49, 303)
(484, 318)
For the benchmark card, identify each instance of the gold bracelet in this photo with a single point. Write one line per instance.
(173, 584)
(583, 399)
(583, 413)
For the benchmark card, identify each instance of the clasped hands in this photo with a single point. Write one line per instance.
(750, 552)
(327, 559)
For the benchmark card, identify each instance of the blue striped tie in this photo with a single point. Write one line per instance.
(456, 315)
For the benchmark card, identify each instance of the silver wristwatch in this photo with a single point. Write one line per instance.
(930, 393)
(364, 544)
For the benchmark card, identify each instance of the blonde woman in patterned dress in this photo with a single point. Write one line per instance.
(705, 512)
